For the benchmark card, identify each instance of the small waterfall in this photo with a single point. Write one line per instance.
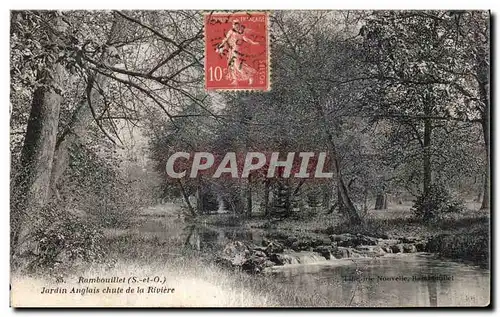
(309, 257)
(304, 257)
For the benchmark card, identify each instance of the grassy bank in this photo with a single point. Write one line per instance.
(460, 236)
(198, 269)
(155, 245)
(157, 248)
(196, 284)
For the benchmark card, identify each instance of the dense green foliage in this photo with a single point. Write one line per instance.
(63, 238)
(436, 201)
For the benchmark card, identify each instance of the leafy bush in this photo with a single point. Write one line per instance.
(471, 245)
(96, 184)
(438, 200)
(65, 240)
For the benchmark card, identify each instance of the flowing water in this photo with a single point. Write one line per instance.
(391, 281)
(395, 280)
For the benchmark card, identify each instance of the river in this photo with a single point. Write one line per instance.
(391, 281)
(394, 280)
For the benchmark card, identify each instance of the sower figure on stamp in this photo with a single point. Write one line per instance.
(238, 70)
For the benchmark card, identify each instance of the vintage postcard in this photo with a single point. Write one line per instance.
(265, 158)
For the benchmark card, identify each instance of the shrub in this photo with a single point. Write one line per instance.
(438, 200)
(65, 240)
(469, 244)
(110, 192)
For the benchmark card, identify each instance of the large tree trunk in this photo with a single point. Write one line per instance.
(81, 118)
(267, 186)
(486, 186)
(340, 204)
(249, 198)
(381, 201)
(327, 198)
(31, 187)
(186, 199)
(199, 197)
(348, 206)
(77, 128)
(483, 81)
(427, 156)
(427, 162)
(346, 201)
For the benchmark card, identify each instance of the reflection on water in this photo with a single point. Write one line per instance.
(397, 280)
(203, 238)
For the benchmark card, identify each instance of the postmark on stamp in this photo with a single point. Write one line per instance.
(237, 51)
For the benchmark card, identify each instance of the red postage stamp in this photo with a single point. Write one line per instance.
(237, 51)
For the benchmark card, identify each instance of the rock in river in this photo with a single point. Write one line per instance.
(274, 247)
(234, 254)
(398, 248)
(278, 259)
(352, 240)
(409, 248)
(371, 250)
(324, 250)
(256, 264)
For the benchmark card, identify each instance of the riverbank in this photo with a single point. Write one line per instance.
(457, 236)
(160, 243)
(196, 280)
